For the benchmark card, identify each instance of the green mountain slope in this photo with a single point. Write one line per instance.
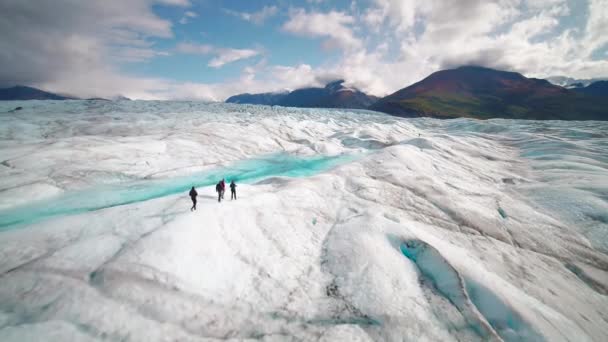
(483, 93)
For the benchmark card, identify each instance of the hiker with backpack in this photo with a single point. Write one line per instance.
(193, 195)
(232, 190)
(220, 192)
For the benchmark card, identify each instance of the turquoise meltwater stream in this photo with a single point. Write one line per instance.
(105, 196)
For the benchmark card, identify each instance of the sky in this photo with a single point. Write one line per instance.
(211, 49)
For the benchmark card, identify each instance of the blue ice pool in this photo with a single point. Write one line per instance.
(106, 196)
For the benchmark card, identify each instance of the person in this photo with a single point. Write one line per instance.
(232, 190)
(223, 187)
(193, 195)
(218, 189)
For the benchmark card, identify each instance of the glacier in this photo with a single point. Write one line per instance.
(350, 225)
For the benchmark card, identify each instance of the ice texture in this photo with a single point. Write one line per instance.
(107, 196)
(350, 225)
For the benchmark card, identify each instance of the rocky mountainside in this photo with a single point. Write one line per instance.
(28, 93)
(599, 88)
(333, 95)
(484, 93)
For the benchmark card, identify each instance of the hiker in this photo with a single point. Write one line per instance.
(14, 110)
(223, 187)
(232, 190)
(193, 195)
(218, 189)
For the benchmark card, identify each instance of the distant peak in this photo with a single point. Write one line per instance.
(20, 92)
(576, 85)
(18, 86)
(334, 83)
(474, 67)
(477, 68)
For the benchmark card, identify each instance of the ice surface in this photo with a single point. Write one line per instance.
(130, 192)
(350, 225)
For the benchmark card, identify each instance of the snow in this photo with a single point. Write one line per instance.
(349, 225)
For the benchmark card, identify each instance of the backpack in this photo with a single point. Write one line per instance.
(218, 187)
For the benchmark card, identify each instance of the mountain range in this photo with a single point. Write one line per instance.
(17, 93)
(469, 91)
(21, 93)
(569, 82)
(333, 95)
(599, 88)
(269, 99)
(484, 93)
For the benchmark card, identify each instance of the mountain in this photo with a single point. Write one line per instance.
(599, 88)
(28, 93)
(97, 99)
(569, 82)
(484, 93)
(333, 95)
(120, 98)
(576, 85)
(18, 93)
(270, 99)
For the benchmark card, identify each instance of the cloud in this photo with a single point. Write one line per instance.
(529, 36)
(256, 78)
(200, 49)
(187, 16)
(258, 17)
(597, 26)
(225, 56)
(400, 13)
(334, 25)
(54, 44)
(292, 77)
(222, 55)
(411, 39)
(135, 54)
(81, 47)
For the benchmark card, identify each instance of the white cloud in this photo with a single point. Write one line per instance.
(256, 78)
(400, 13)
(534, 26)
(136, 54)
(53, 44)
(293, 77)
(335, 26)
(221, 57)
(182, 3)
(543, 4)
(200, 49)
(386, 46)
(596, 35)
(187, 16)
(413, 39)
(531, 37)
(258, 17)
(225, 56)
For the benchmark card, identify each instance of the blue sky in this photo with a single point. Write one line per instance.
(217, 23)
(211, 49)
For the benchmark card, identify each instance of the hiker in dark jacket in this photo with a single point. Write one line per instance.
(232, 190)
(223, 187)
(193, 195)
(218, 188)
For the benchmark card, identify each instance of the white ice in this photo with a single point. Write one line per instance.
(349, 225)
